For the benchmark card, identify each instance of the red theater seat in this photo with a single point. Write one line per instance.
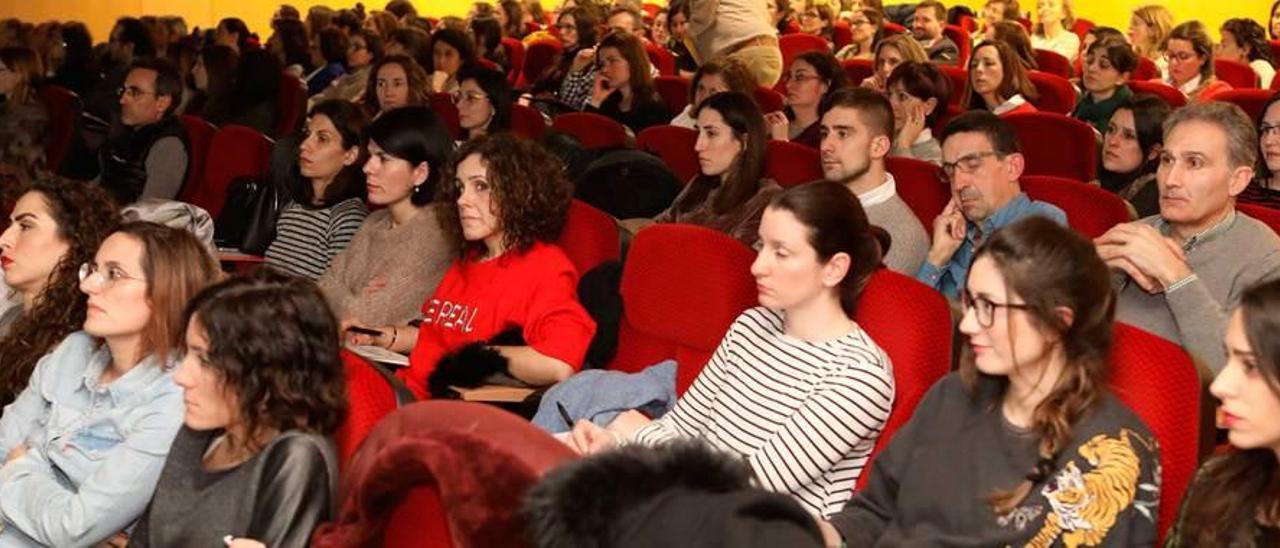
(792, 164)
(1171, 95)
(1090, 210)
(199, 137)
(1054, 144)
(234, 151)
(592, 130)
(590, 237)
(674, 145)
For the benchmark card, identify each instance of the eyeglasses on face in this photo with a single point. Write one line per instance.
(984, 309)
(467, 96)
(965, 164)
(104, 280)
(133, 92)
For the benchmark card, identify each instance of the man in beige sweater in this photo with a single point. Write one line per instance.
(741, 29)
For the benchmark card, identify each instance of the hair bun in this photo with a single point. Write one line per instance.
(882, 239)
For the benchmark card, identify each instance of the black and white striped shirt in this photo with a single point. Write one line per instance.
(804, 415)
(307, 240)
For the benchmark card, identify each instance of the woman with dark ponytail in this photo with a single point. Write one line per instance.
(1024, 445)
(796, 387)
(1235, 499)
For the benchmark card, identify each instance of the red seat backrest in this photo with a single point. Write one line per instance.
(514, 49)
(1056, 93)
(858, 69)
(841, 35)
(443, 106)
(792, 164)
(370, 396)
(682, 286)
(590, 237)
(891, 28)
(234, 151)
(912, 323)
(674, 144)
(1158, 381)
(674, 91)
(63, 107)
(1146, 70)
(963, 42)
(1055, 144)
(1250, 100)
(1239, 75)
(920, 187)
(1172, 96)
(199, 139)
(662, 59)
(959, 77)
(527, 122)
(1082, 27)
(540, 56)
(593, 130)
(1090, 210)
(769, 100)
(1269, 216)
(795, 44)
(1053, 62)
(291, 104)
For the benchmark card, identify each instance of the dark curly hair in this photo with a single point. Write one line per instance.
(85, 216)
(273, 342)
(530, 193)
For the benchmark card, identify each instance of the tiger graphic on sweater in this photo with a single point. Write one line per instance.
(1085, 505)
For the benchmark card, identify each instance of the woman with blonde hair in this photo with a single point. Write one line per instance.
(1189, 51)
(890, 53)
(1149, 27)
(1053, 29)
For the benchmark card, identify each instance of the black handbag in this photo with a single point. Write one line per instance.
(248, 220)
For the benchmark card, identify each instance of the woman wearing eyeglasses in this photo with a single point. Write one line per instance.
(1131, 152)
(867, 25)
(84, 443)
(484, 99)
(1189, 51)
(1024, 445)
(812, 76)
(1264, 190)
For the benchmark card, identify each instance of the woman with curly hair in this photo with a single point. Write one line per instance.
(509, 303)
(264, 386)
(55, 227)
(394, 82)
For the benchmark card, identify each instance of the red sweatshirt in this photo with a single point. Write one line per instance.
(536, 290)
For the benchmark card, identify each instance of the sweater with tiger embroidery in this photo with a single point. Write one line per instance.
(930, 484)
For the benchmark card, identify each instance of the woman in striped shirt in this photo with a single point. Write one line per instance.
(327, 193)
(796, 387)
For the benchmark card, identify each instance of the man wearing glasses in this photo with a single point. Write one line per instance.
(1179, 273)
(982, 162)
(146, 156)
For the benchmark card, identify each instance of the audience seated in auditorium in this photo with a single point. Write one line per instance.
(857, 126)
(927, 27)
(509, 303)
(677, 27)
(411, 42)
(810, 436)
(487, 34)
(627, 20)
(1015, 36)
(146, 153)
(1131, 146)
(919, 94)
(995, 11)
(570, 81)
(231, 32)
(290, 44)
(253, 459)
(730, 193)
(1108, 64)
(55, 226)
(326, 194)
(998, 81)
(1053, 30)
(451, 50)
(982, 160)
(1235, 498)
(214, 80)
(484, 99)
(741, 29)
(84, 443)
(1189, 51)
(401, 252)
(23, 117)
(396, 81)
(511, 16)
(890, 53)
(332, 45)
(866, 26)
(711, 78)
(623, 89)
(812, 76)
(1264, 190)
(1179, 272)
(129, 40)
(1244, 41)
(76, 67)
(364, 50)
(1149, 28)
(1027, 416)
(817, 17)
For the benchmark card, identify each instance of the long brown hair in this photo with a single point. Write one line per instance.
(643, 89)
(1051, 267)
(25, 61)
(85, 216)
(1242, 486)
(1013, 82)
(744, 118)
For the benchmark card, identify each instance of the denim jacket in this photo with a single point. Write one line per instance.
(950, 278)
(94, 452)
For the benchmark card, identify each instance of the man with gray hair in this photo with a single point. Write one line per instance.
(1181, 272)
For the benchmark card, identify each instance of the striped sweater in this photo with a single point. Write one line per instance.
(308, 239)
(804, 415)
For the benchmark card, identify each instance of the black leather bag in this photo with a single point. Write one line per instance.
(248, 220)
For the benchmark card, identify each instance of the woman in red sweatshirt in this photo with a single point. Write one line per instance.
(509, 303)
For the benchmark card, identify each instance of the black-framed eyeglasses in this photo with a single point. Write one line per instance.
(984, 309)
(965, 164)
(468, 96)
(134, 92)
(1265, 129)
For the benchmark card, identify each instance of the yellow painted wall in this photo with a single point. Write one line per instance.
(100, 14)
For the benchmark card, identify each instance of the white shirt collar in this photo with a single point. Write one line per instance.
(1012, 103)
(924, 137)
(881, 193)
(1188, 87)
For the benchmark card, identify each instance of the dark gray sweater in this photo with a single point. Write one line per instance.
(928, 486)
(278, 497)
